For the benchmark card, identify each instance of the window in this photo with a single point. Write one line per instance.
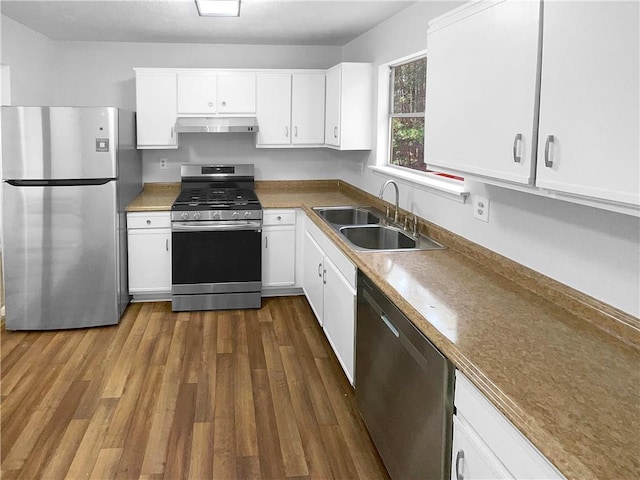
(406, 117)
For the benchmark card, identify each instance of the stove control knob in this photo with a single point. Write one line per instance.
(247, 214)
(216, 215)
(185, 216)
(235, 215)
(196, 216)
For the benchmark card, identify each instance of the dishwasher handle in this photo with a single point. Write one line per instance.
(413, 351)
(389, 325)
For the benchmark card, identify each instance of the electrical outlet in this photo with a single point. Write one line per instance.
(163, 163)
(481, 208)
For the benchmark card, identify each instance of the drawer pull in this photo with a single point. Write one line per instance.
(148, 222)
(166, 244)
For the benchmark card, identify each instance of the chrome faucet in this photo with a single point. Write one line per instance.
(395, 213)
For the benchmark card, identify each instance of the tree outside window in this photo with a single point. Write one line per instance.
(406, 118)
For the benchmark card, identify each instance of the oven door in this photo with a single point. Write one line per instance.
(216, 265)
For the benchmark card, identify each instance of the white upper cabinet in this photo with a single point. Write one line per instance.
(589, 102)
(307, 108)
(273, 109)
(481, 90)
(543, 96)
(210, 93)
(197, 93)
(290, 109)
(237, 92)
(349, 106)
(156, 110)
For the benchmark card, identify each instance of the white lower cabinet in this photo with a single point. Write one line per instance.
(329, 283)
(487, 446)
(278, 248)
(149, 248)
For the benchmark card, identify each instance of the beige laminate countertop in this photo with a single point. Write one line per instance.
(570, 387)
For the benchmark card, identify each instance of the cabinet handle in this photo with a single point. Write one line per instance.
(517, 158)
(459, 460)
(320, 270)
(224, 104)
(211, 104)
(148, 222)
(295, 132)
(279, 218)
(548, 161)
(335, 132)
(286, 132)
(266, 242)
(324, 276)
(166, 244)
(171, 132)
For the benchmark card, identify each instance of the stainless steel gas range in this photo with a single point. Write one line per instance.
(216, 230)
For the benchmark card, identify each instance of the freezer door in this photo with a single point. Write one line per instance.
(60, 256)
(59, 143)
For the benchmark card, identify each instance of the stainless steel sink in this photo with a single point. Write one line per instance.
(368, 229)
(348, 215)
(385, 237)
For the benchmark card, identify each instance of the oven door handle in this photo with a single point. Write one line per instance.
(215, 226)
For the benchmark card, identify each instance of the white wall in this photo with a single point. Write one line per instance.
(30, 56)
(591, 250)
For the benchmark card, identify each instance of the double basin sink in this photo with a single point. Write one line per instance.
(367, 229)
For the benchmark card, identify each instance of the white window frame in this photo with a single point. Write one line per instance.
(450, 188)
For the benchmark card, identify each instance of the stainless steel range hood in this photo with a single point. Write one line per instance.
(216, 124)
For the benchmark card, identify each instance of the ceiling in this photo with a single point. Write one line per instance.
(262, 22)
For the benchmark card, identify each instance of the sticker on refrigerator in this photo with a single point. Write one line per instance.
(102, 144)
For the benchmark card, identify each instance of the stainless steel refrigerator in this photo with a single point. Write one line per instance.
(68, 174)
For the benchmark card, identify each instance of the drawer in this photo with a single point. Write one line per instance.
(149, 220)
(279, 217)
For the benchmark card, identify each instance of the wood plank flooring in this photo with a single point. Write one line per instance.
(255, 394)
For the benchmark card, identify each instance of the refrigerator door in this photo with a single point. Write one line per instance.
(59, 143)
(60, 260)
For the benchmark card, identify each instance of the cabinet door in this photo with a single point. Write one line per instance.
(307, 109)
(196, 93)
(312, 275)
(149, 260)
(278, 256)
(589, 100)
(339, 316)
(332, 109)
(156, 110)
(236, 93)
(471, 458)
(273, 108)
(481, 91)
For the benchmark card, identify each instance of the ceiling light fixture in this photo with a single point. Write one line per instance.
(218, 8)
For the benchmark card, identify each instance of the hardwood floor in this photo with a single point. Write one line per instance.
(254, 394)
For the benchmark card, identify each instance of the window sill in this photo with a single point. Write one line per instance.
(452, 189)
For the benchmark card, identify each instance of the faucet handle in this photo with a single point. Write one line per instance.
(415, 225)
(387, 211)
(406, 223)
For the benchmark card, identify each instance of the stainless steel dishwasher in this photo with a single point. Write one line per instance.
(404, 389)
